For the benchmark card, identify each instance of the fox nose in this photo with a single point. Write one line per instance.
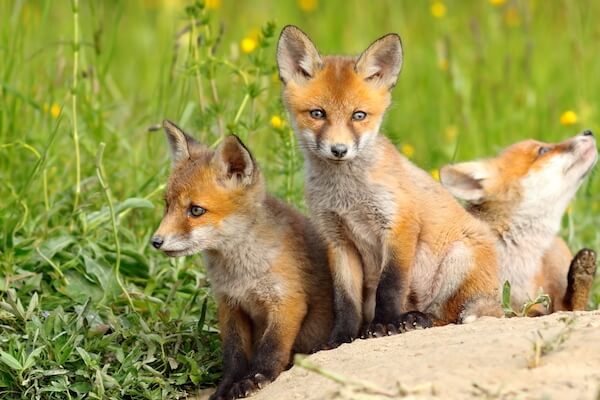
(339, 150)
(157, 241)
(587, 132)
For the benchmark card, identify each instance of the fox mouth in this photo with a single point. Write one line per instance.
(179, 253)
(587, 158)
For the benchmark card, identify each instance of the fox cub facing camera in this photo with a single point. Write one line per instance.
(266, 263)
(400, 246)
(522, 194)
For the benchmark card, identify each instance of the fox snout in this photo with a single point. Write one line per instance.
(157, 241)
(340, 143)
(339, 150)
(579, 146)
(331, 147)
(586, 141)
(582, 154)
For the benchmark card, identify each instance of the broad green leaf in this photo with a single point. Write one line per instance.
(32, 306)
(85, 356)
(96, 218)
(31, 358)
(506, 303)
(10, 361)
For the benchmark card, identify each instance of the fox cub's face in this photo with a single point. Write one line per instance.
(207, 193)
(337, 103)
(528, 176)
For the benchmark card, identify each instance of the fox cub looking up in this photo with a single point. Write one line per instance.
(266, 263)
(522, 194)
(397, 240)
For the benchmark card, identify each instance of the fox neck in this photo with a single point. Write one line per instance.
(521, 226)
(523, 238)
(244, 256)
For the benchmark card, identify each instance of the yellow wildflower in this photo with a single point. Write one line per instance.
(511, 17)
(248, 45)
(276, 121)
(54, 110)
(497, 2)
(408, 150)
(451, 133)
(438, 9)
(308, 5)
(30, 13)
(443, 64)
(570, 209)
(435, 173)
(568, 118)
(212, 4)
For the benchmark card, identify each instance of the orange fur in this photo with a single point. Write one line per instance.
(266, 263)
(522, 194)
(397, 241)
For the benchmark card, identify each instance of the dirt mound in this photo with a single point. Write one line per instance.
(556, 356)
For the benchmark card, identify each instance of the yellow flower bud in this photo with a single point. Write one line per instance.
(438, 9)
(248, 45)
(276, 122)
(568, 118)
(408, 150)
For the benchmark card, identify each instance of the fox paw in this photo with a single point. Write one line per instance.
(375, 330)
(222, 392)
(584, 264)
(580, 279)
(413, 320)
(336, 340)
(248, 386)
(220, 396)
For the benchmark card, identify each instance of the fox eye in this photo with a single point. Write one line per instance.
(359, 115)
(543, 150)
(196, 211)
(317, 113)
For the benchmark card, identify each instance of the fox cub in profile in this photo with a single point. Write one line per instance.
(522, 194)
(266, 263)
(402, 250)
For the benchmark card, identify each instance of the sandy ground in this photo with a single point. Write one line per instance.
(490, 358)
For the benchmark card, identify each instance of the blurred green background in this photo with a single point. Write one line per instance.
(88, 309)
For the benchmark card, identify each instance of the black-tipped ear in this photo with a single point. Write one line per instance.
(465, 180)
(297, 56)
(234, 161)
(180, 143)
(381, 62)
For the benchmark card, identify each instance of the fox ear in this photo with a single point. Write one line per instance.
(179, 142)
(381, 62)
(297, 57)
(465, 180)
(233, 161)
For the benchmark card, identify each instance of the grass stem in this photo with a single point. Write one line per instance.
(74, 103)
(113, 218)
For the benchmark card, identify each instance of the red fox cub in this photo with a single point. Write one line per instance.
(522, 194)
(402, 250)
(266, 263)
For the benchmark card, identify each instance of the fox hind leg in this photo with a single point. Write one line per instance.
(580, 279)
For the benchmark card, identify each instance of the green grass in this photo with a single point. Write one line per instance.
(88, 308)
